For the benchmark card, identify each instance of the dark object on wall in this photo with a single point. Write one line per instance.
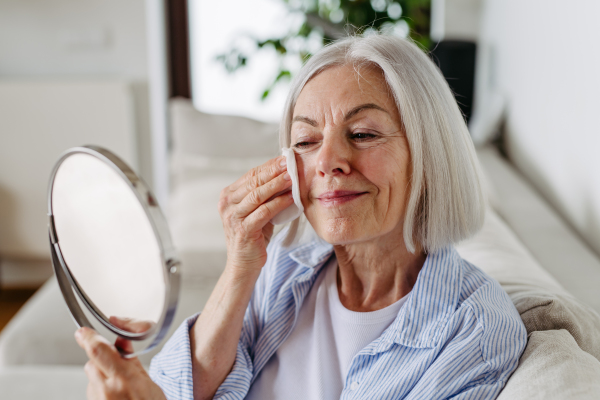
(179, 49)
(456, 60)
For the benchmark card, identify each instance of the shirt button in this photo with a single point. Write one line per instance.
(354, 386)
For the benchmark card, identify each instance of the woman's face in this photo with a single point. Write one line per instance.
(353, 157)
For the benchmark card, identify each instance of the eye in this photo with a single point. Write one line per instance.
(362, 136)
(302, 145)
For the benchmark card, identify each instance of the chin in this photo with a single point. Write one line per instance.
(340, 231)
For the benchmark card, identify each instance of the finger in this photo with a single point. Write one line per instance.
(256, 177)
(95, 376)
(131, 324)
(263, 194)
(125, 345)
(96, 381)
(104, 355)
(265, 213)
(273, 167)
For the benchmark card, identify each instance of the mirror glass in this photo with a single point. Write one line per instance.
(108, 243)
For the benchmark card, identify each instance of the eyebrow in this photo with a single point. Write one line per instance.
(301, 118)
(362, 107)
(349, 114)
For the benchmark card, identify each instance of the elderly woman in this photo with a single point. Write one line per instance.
(372, 301)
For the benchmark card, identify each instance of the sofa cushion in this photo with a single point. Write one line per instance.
(42, 332)
(553, 367)
(43, 382)
(545, 311)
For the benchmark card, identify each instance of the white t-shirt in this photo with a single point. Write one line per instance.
(314, 360)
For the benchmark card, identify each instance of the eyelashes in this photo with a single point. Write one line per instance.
(301, 145)
(358, 137)
(362, 137)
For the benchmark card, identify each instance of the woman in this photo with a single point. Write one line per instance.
(378, 304)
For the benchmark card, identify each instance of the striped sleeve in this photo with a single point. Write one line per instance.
(171, 369)
(237, 384)
(488, 390)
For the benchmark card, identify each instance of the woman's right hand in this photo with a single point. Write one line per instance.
(246, 207)
(246, 213)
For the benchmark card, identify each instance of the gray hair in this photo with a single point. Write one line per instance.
(446, 202)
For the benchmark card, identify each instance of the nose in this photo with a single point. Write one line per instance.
(334, 156)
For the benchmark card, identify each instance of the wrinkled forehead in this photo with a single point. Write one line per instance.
(335, 91)
(362, 72)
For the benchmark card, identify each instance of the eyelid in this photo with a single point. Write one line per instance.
(364, 132)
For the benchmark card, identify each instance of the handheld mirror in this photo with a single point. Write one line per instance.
(111, 248)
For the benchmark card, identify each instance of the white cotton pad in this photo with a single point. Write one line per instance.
(295, 210)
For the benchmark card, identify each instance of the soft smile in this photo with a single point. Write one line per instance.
(337, 197)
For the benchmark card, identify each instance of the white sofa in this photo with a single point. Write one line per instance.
(518, 246)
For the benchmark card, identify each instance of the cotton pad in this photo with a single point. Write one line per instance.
(295, 210)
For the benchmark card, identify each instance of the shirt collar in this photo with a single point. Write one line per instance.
(431, 302)
(312, 255)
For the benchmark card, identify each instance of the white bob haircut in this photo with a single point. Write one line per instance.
(446, 202)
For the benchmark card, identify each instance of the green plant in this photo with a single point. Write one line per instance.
(326, 20)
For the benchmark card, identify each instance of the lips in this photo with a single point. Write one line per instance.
(338, 197)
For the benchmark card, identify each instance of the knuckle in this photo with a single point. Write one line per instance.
(227, 219)
(117, 388)
(251, 184)
(254, 197)
(263, 211)
(222, 204)
(97, 349)
(223, 194)
(253, 175)
(88, 368)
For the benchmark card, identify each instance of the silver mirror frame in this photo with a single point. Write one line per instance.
(171, 265)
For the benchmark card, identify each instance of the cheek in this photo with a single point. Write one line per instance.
(390, 174)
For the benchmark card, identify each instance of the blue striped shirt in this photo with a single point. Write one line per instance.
(457, 336)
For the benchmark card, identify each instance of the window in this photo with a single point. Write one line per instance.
(215, 26)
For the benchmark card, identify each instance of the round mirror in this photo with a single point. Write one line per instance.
(111, 247)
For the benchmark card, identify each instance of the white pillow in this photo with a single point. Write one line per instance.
(496, 250)
(198, 133)
(209, 152)
(542, 303)
(190, 168)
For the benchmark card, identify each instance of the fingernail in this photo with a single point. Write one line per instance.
(283, 162)
(78, 334)
(287, 176)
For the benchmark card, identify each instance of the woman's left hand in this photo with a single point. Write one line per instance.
(112, 376)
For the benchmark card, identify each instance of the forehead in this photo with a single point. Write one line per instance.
(344, 87)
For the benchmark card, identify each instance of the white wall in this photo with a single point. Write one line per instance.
(80, 39)
(455, 19)
(73, 38)
(546, 64)
(39, 120)
(72, 43)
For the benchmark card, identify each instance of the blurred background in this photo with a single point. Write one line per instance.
(173, 86)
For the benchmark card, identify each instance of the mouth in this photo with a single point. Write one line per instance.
(338, 197)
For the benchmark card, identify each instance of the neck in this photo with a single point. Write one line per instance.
(374, 274)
